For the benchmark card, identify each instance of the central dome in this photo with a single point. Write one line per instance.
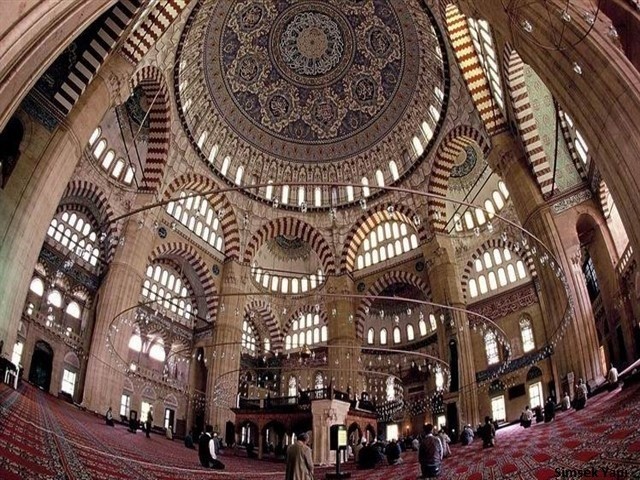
(303, 82)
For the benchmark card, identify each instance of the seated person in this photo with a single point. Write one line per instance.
(526, 417)
(467, 435)
(488, 433)
(133, 424)
(109, 418)
(392, 452)
(251, 450)
(369, 457)
(188, 440)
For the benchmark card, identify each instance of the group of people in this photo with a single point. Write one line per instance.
(134, 424)
(208, 449)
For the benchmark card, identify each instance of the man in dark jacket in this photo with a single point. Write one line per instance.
(207, 450)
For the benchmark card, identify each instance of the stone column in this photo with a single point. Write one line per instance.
(326, 413)
(578, 350)
(32, 195)
(344, 347)
(222, 383)
(444, 280)
(120, 291)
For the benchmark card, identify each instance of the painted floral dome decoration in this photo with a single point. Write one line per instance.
(308, 82)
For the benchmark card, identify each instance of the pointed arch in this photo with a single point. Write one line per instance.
(301, 312)
(269, 323)
(145, 35)
(472, 71)
(489, 245)
(292, 227)
(526, 122)
(388, 279)
(368, 221)
(450, 147)
(218, 202)
(188, 253)
(151, 81)
(89, 198)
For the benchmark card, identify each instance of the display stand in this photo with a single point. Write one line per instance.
(338, 443)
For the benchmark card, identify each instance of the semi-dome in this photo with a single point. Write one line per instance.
(309, 91)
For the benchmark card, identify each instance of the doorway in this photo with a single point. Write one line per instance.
(41, 365)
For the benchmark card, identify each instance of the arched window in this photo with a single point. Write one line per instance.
(393, 167)
(156, 352)
(175, 299)
(497, 199)
(473, 288)
(426, 131)
(526, 332)
(317, 199)
(379, 178)
(135, 343)
(365, 187)
(196, 214)
(37, 286)
(319, 381)
(54, 298)
(269, 192)
(410, 334)
(417, 146)
(239, 173)
(73, 309)
(383, 336)
(100, 148)
(213, 153)
(94, 136)
(225, 165)
(423, 327)
(491, 348)
(396, 335)
(483, 44)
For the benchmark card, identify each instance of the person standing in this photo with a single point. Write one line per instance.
(207, 450)
(149, 422)
(299, 461)
(430, 453)
(549, 410)
(566, 402)
(580, 400)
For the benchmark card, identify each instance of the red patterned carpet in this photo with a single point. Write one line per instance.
(44, 438)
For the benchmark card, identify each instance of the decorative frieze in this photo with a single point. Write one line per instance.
(510, 302)
(571, 201)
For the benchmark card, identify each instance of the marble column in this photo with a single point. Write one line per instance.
(444, 279)
(578, 350)
(224, 360)
(120, 291)
(344, 347)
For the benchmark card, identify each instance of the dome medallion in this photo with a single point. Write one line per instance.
(307, 82)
